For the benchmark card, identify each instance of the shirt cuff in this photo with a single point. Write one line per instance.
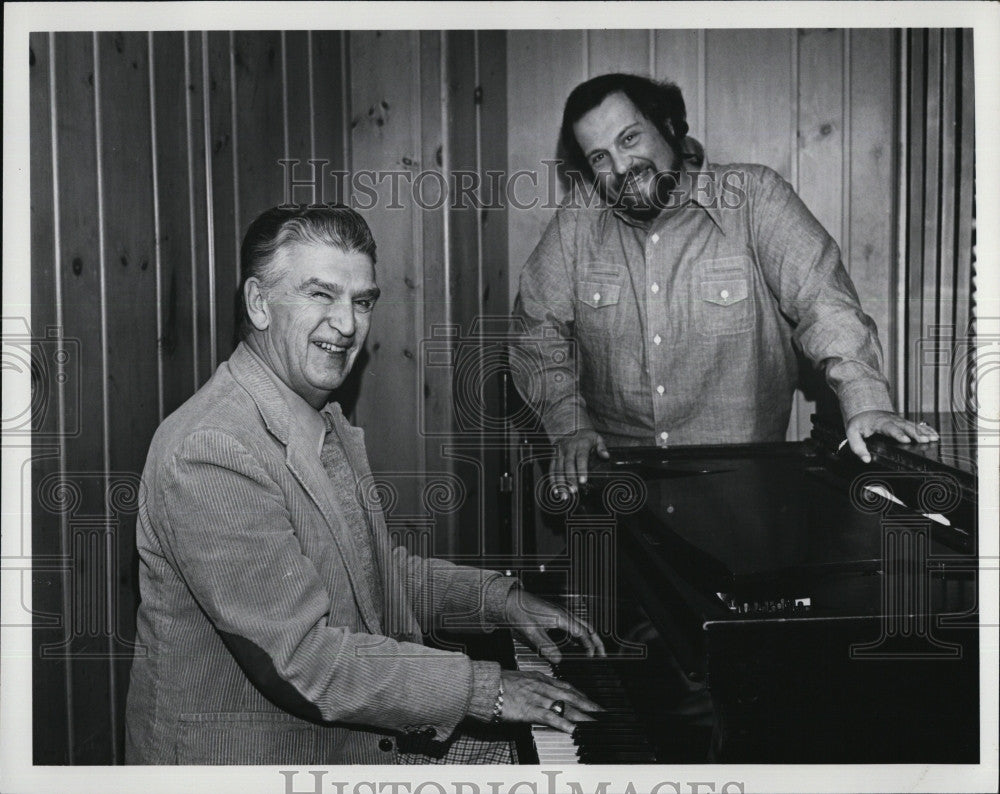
(567, 417)
(859, 396)
(495, 593)
(485, 687)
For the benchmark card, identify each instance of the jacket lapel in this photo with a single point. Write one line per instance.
(301, 460)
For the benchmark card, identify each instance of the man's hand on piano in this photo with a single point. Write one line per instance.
(532, 617)
(528, 697)
(867, 423)
(569, 466)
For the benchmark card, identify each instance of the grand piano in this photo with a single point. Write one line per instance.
(814, 609)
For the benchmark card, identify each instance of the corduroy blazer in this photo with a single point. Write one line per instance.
(263, 635)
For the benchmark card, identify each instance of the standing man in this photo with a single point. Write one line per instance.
(277, 625)
(685, 290)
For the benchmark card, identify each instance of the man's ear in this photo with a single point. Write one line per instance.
(256, 302)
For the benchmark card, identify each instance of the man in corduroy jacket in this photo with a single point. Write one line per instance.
(277, 625)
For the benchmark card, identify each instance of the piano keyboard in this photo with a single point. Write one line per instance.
(615, 737)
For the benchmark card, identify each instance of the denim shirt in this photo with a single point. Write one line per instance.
(681, 330)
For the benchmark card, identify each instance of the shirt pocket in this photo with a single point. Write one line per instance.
(598, 296)
(244, 738)
(723, 302)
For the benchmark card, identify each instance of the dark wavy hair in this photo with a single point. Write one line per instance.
(660, 102)
(338, 226)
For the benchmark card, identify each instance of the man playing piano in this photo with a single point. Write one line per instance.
(277, 625)
(685, 291)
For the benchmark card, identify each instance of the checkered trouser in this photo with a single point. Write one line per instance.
(471, 743)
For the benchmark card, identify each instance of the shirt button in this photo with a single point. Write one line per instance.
(655, 287)
(724, 294)
(655, 238)
(664, 435)
(657, 339)
(660, 390)
(597, 296)
(385, 744)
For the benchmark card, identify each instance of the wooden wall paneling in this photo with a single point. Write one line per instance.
(436, 407)
(298, 85)
(177, 341)
(52, 733)
(85, 460)
(494, 301)
(543, 66)
(915, 211)
(949, 181)
(329, 123)
(966, 162)
(493, 110)
(870, 245)
(130, 277)
(384, 111)
(469, 386)
(819, 168)
(678, 58)
(748, 89)
(222, 208)
(931, 216)
(259, 131)
(202, 243)
(618, 51)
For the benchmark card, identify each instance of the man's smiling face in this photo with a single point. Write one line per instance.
(319, 311)
(630, 159)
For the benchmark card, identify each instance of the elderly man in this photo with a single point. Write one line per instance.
(685, 291)
(277, 625)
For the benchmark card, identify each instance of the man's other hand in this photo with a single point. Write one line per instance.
(867, 423)
(528, 697)
(532, 617)
(569, 467)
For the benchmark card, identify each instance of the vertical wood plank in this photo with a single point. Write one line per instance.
(130, 279)
(201, 255)
(78, 210)
(435, 394)
(950, 88)
(259, 122)
(223, 205)
(820, 164)
(328, 106)
(931, 215)
(618, 51)
(872, 182)
(677, 60)
(298, 100)
(465, 280)
(51, 694)
(493, 232)
(545, 61)
(751, 124)
(493, 79)
(177, 342)
(963, 241)
(915, 231)
(382, 140)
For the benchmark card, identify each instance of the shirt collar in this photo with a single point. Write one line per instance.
(311, 423)
(694, 159)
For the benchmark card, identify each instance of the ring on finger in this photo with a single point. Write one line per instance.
(558, 706)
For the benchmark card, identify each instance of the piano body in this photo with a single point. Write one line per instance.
(828, 607)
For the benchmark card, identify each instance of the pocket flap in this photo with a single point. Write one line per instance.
(596, 295)
(725, 293)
